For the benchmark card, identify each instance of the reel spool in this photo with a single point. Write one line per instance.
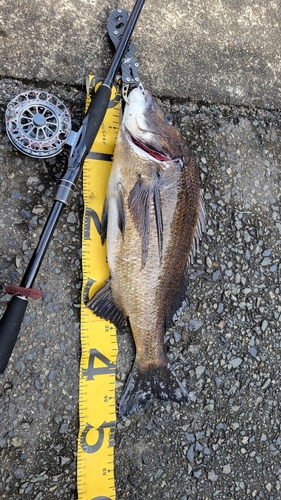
(38, 124)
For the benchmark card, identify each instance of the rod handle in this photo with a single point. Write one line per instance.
(96, 113)
(10, 325)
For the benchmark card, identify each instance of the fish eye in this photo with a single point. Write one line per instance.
(170, 119)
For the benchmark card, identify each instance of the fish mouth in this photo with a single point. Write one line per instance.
(157, 154)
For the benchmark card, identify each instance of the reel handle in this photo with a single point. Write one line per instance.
(10, 325)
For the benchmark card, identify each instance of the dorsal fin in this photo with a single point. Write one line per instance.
(181, 296)
(179, 301)
(200, 228)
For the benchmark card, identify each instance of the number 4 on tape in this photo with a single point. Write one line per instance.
(97, 414)
(93, 370)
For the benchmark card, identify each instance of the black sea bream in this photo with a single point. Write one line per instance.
(152, 221)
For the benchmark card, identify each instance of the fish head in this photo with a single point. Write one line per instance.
(151, 132)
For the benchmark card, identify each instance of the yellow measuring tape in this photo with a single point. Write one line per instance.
(97, 415)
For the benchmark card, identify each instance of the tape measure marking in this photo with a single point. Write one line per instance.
(97, 414)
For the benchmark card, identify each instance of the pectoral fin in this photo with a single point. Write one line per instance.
(139, 203)
(140, 199)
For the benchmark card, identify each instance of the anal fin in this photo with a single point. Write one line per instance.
(103, 305)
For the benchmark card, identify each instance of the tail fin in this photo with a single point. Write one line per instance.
(141, 386)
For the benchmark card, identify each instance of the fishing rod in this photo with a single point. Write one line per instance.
(11, 321)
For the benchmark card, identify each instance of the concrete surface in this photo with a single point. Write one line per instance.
(221, 51)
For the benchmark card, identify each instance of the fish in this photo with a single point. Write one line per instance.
(152, 222)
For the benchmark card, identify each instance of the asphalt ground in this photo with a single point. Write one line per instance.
(225, 443)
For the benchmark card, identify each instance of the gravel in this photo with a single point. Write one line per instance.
(225, 442)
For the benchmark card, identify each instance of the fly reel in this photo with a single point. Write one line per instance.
(38, 123)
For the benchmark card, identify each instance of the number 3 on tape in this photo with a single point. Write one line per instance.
(95, 460)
